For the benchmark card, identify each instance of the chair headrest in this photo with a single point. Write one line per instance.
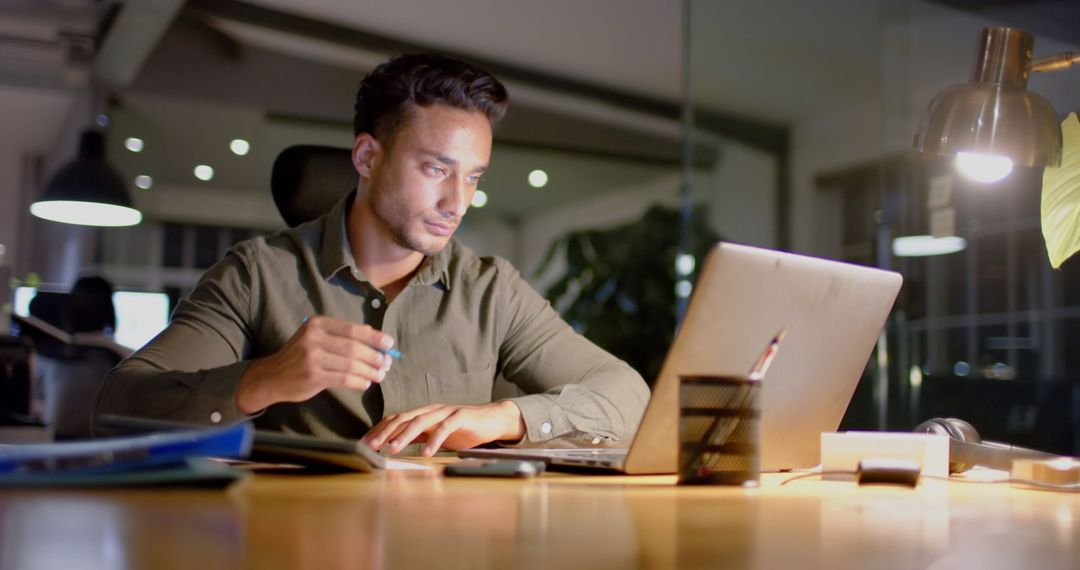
(308, 180)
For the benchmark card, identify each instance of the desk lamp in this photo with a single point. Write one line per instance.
(993, 122)
(87, 191)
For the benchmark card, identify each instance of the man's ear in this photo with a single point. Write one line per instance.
(365, 154)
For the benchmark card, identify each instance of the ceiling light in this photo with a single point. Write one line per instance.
(87, 191)
(86, 213)
(204, 172)
(927, 245)
(994, 113)
(538, 179)
(683, 288)
(134, 144)
(144, 181)
(684, 264)
(915, 376)
(240, 147)
(479, 199)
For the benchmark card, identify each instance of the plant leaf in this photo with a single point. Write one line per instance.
(1061, 197)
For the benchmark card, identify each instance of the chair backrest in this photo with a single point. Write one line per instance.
(69, 371)
(69, 388)
(16, 382)
(308, 180)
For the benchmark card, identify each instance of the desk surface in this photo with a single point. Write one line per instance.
(411, 519)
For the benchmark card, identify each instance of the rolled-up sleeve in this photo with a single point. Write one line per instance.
(191, 370)
(578, 393)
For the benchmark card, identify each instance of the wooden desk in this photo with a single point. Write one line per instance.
(409, 519)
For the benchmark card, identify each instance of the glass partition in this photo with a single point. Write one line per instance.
(981, 334)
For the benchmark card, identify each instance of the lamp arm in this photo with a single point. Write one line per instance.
(1055, 62)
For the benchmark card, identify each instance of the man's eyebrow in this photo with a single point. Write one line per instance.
(439, 157)
(450, 161)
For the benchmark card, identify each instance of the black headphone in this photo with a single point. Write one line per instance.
(967, 449)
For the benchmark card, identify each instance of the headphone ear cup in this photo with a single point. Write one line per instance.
(961, 435)
(962, 430)
(936, 426)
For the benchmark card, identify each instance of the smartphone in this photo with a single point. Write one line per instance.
(494, 468)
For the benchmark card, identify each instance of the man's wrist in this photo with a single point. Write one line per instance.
(247, 400)
(515, 425)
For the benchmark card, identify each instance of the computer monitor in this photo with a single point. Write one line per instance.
(140, 315)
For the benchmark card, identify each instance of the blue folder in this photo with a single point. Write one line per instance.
(123, 454)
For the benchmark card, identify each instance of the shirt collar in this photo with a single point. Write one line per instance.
(336, 253)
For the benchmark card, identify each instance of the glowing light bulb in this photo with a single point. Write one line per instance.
(538, 179)
(479, 199)
(86, 213)
(983, 167)
(920, 246)
(684, 264)
(240, 147)
(204, 172)
(683, 288)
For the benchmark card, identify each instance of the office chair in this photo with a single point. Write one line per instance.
(70, 366)
(16, 382)
(307, 181)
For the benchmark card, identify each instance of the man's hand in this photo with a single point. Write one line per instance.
(323, 353)
(450, 426)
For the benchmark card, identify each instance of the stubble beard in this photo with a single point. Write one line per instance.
(397, 222)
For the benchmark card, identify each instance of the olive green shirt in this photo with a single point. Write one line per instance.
(461, 321)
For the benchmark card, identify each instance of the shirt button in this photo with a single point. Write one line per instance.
(215, 417)
(545, 428)
(375, 303)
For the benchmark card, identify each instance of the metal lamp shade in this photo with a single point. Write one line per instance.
(994, 113)
(87, 191)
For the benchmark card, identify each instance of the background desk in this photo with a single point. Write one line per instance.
(409, 519)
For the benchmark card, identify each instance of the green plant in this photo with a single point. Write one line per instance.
(1061, 198)
(618, 287)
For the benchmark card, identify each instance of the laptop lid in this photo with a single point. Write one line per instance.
(833, 313)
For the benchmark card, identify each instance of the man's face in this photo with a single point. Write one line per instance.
(422, 182)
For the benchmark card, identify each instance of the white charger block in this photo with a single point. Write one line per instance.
(842, 451)
(1063, 471)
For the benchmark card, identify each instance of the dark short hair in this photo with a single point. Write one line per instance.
(389, 92)
(95, 295)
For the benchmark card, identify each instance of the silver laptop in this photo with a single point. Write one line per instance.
(832, 313)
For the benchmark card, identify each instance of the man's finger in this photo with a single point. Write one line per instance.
(373, 436)
(355, 331)
(354, 350)
(333, 363)
(350, 381)
(417, 426)
(381, 432)
(436, 438)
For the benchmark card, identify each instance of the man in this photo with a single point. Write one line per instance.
(296, 328)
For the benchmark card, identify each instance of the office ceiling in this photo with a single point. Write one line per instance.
(600, 78)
